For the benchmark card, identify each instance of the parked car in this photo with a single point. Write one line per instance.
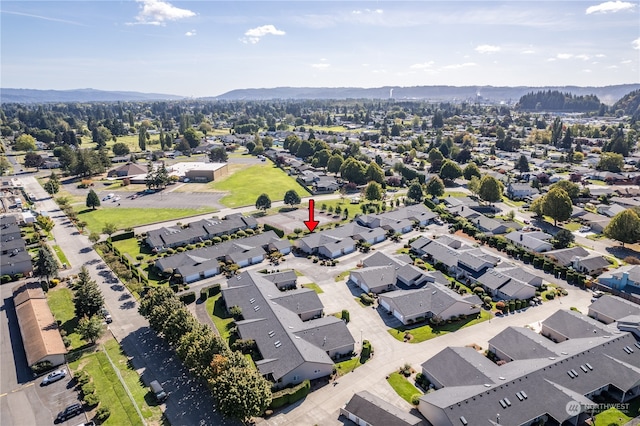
(585, 229)
(54, 376)
(158, 391)
(69, 412)
(107, 316)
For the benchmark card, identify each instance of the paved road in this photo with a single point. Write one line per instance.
(190, 402)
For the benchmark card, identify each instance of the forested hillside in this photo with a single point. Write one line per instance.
(557, 101)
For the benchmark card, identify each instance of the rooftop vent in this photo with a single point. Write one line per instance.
(588, 366)
(277, 343)
(463, 421)
(272, 333)
(503, 403)
(256, 308)
(583, 368)
(252, 300)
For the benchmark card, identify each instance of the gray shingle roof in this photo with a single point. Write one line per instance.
(378, 412)
(522, 343)
(574, 325)
(614, 307)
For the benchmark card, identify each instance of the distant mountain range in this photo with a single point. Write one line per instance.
(77, 95)
(607, 94)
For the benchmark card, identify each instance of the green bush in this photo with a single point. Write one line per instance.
(415, 399)
(187, 298)
(5, 279)
(550, 296)
(290, 395)
(279, 232)
(103, 414)
(366, 349)
(122, 236)
(91, 400)
(366, 299)
(82, 378)
(345, 315)
(88, 389)
(204, 294)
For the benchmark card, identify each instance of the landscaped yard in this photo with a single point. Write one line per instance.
(610, 417)
(342, 275)
(217, 312)
(246, 185)
(132, 217)
(315, 287)
(402, 386)
(60, 301)
(426, 332)
(572, 226)
(134, 249)
(347, 366)
(110, 389)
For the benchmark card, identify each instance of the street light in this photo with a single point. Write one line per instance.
(361, 341)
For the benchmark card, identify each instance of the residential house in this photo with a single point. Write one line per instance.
(596, 222)
(399, 221)
(14, 258)
(194, 265)
(336, 242)
(625, 278)
(160, 240)
(530, 390)
(127, 170)
(566, 324)
(284, 280)
(608, 309)
(383, 273)
(431, 301)
(366, 409)
(460, 260)
(580, 259)
(293, 347)
(520, 191)
(532, 241)
(609, 210)
(500, 285)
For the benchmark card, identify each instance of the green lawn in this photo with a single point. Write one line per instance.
(134, 249)
(597, 182)
(150, 411)
(342, 275)
(513, 203)
(572, 226)
(347, 366)
(612, 416)
(218, 314)
(246, 185)
(63, 259)
(108, 388)
(458, 194)
(315, 287)
(426, 332)
(402, 386)
(61, 303)
(132, 217)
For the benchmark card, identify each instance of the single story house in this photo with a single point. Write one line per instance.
(533, 241)
(625, 278)
(366, 409)
(608, 309)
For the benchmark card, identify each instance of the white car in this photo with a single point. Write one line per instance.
(585, 229)
(54, 376)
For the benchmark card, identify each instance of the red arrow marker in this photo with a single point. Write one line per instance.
(311, 224)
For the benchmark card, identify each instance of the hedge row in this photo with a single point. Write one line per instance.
(279, 232)
(209, 291)
(187, 298)
(290, 395)
(123, 236)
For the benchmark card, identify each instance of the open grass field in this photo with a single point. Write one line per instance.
(426, 332)
(244, 186)
(111, 391)
(60, 301)
(132, 217)
(402, 386)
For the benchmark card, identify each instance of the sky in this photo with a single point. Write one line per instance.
(207, 48)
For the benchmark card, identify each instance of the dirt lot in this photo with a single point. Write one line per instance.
(290, 220)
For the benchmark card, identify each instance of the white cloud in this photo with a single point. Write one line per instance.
(551, 59)
(627, 61)
(612, 67)
(422, 65)
(610, 7)
(253, 35)
(158, 12)
(564, 55)
(321, 66)
(601, 55)
(587, 70)
(190, 33)
(636, 43)
(458, 66)
(528, 52)
(487, 48)
(583, 57)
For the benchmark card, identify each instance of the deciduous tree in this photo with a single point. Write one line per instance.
(263, 202)
(218, 155)
(471, 170)
(624, 227)
(490, 189)
(373, 192)
(90, 328)
(557, 205)
(291, 197)
(450, 171)
(435, 187)
(415, 192)
(25, 142)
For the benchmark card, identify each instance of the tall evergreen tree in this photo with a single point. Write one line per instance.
(93, 200)
(45, 264)
(88, 299)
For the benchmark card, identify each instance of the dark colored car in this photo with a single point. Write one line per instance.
(69, 412)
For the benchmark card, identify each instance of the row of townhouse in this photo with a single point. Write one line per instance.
(409, 293)
(198, 264)
(164, 238)
(540, 378)
(14, 258)
(295, 340)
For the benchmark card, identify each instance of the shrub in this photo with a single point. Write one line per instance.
(103, 414)
(180, 249)
(82, 378)
(500, 306)
(5, 278)
(91, 400)
(88, 389)
(366, 299)
(415, 399)
(550, 296)
(290, 395)
(204, 294)
(140, 257)
(345, 315)
(279, 232)
(66, 341)
(187, 298)
(366, 349)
